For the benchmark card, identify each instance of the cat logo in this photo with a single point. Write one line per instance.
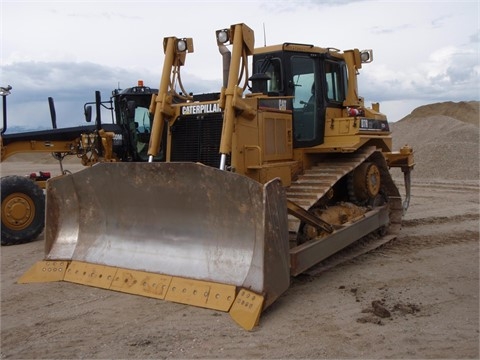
(200, 109)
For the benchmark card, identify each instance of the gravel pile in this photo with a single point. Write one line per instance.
(445, 139)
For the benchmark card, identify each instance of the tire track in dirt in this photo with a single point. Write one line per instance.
(434, 231)
(439, 220)
(417, 233)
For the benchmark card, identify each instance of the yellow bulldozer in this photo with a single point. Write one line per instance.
(282, 168)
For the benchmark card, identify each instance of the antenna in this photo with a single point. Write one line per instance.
(264, 36)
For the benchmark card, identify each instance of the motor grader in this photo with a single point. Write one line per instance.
(281, 169)
(125, 138)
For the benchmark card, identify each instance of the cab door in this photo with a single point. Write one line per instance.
(308, 106)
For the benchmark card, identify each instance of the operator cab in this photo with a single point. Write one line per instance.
(316, 80)
(132, 113)
(131, 120)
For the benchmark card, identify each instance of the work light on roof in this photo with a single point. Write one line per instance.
(366, 56)
(4, 91)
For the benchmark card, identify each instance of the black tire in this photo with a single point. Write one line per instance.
(23, 210)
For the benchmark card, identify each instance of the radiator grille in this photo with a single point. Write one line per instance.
(196, 138)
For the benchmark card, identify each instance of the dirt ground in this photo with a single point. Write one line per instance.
(416, 297)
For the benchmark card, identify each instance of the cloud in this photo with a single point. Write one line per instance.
(71, 85)
(289, 5)
(450, 73)
(474, 39)
(423, 51)
(440, 21)
(385, 30)
(103, 15)
(64, 80)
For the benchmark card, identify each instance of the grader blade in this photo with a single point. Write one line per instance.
(192, 229)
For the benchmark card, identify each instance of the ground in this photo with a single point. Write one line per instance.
(416, 297)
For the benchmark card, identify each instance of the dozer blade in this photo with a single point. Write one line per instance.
(179, 231)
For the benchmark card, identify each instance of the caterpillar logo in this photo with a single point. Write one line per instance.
(200, 109)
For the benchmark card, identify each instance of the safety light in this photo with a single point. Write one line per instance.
(223, 36)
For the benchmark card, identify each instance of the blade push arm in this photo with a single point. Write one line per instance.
(175, 52)
(242, 39)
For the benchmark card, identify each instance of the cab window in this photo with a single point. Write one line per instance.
(272, 67)
(304, 102)
(335, 77)
(142, 118)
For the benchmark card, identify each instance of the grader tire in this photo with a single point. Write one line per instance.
(23, 210)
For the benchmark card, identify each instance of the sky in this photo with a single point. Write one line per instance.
(424, 51)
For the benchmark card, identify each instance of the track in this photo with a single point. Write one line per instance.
(316, 184)
(318, 180)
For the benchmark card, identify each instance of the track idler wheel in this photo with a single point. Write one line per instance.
(365, 182)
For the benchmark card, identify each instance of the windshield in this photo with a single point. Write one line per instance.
(142, 118)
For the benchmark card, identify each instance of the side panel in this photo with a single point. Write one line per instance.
(277, 135)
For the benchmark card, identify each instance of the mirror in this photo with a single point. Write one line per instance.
(88, 113)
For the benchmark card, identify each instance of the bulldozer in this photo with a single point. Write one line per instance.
(125, 138)
(273, 175)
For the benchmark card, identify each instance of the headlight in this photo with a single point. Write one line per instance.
(366, 56)
(181, 45)
(223, 36)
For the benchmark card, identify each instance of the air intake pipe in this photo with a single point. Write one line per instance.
(226, 57)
